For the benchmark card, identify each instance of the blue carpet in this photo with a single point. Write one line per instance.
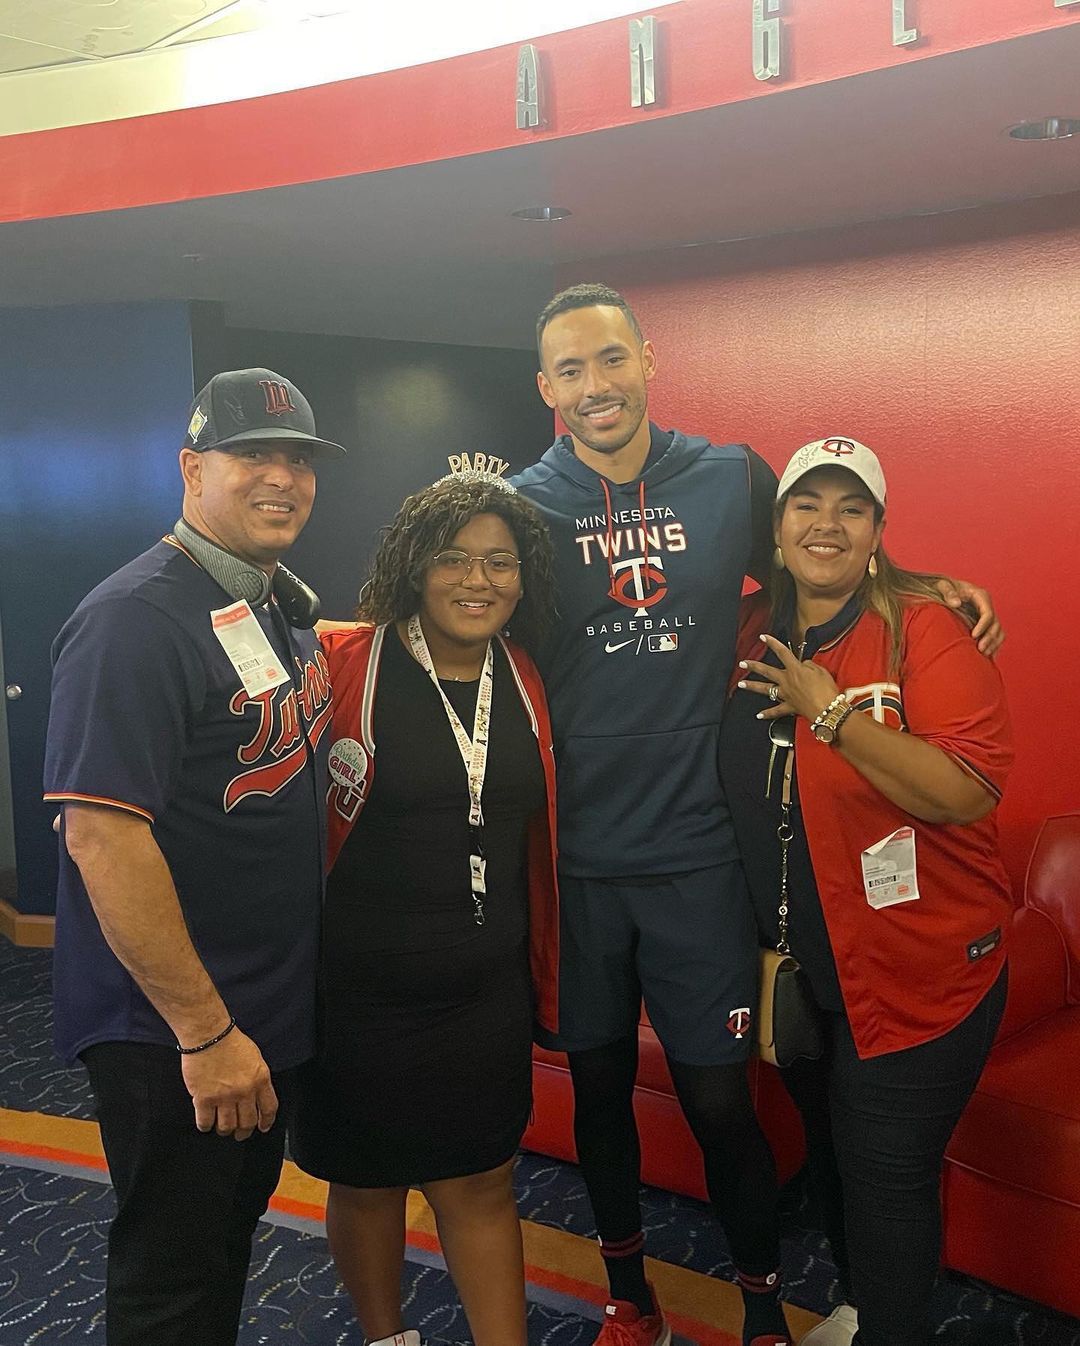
(53, 1228)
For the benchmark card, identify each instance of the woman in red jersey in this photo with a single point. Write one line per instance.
(864, 750)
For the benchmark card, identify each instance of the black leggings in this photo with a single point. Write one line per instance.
(876, 1133)
(739, 1170)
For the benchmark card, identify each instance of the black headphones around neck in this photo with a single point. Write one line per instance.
(298, 602)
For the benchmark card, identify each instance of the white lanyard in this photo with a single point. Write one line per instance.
(473, 751)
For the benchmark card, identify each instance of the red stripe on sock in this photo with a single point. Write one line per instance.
(622, 1247)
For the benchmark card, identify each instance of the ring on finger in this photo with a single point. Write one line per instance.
(774, 692)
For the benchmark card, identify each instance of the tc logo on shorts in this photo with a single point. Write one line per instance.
(738, 1021)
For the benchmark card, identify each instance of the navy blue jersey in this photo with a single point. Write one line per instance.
(649, 577)
(148, 715)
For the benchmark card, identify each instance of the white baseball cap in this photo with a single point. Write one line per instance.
(836, 452)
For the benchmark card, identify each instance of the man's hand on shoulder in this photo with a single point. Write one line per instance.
(230, 1087)
(987, 630)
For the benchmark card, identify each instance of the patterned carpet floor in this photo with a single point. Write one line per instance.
(55, 1207)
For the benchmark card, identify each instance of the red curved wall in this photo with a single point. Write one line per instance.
(465, 105)
(949, 344)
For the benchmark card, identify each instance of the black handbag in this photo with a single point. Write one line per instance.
(789, 1024)
(788, 1021)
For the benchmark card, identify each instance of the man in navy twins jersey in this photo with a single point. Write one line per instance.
(186, 745)
(653, 532)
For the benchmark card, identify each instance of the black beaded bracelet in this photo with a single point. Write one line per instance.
(210, 1042)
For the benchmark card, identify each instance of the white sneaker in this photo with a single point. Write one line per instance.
(838, 1329)
(410, 1338)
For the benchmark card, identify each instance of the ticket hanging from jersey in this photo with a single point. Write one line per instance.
(474, 752)
(257, 664)
(890, 874)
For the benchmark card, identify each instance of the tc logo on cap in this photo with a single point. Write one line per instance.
(278, 401)
(838, 447)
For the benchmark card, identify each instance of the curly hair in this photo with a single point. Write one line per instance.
(429, 520)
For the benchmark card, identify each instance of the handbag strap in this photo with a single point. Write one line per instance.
(785, 833)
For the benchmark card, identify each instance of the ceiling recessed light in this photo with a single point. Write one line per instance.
(1046, 128)
(542, 213)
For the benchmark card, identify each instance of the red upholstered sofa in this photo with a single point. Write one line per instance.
(1012, 1174)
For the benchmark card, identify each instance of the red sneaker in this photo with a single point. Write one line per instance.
(624, 1325)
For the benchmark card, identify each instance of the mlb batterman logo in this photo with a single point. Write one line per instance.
(349, 768)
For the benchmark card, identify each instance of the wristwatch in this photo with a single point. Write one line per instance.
(827, 725)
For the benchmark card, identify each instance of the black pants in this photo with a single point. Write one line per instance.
(739, 1170)
(187, 1202)
(876, 1134)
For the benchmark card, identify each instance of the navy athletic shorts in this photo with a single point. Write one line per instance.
(685, 943)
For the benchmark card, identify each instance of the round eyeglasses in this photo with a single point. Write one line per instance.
(499, 567)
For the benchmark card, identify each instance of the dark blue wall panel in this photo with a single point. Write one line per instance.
(94, 400)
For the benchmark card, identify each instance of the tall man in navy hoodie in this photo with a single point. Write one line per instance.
(654, 531)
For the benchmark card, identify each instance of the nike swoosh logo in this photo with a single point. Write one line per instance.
(610, 649)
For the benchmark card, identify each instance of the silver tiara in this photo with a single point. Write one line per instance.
(471, 474)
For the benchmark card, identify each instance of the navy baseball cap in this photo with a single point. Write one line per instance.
(244, 406)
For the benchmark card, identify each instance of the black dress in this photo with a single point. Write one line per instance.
(424, 1066)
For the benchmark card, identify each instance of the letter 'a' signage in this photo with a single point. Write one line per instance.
(768, 37)
(530, 91)
(643, 62)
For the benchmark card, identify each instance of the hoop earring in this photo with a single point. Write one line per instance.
(777, 559)
(872, 568)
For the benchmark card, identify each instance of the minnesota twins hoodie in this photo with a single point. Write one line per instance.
(649, 575)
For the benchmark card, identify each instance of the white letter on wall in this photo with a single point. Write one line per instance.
(530, 93)
(901, 33)
(643, 61)
(767, 39)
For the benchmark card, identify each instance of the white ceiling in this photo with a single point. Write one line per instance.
(35, 33)
(431, 252)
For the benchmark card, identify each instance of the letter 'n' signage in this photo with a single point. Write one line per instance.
(643, 61)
